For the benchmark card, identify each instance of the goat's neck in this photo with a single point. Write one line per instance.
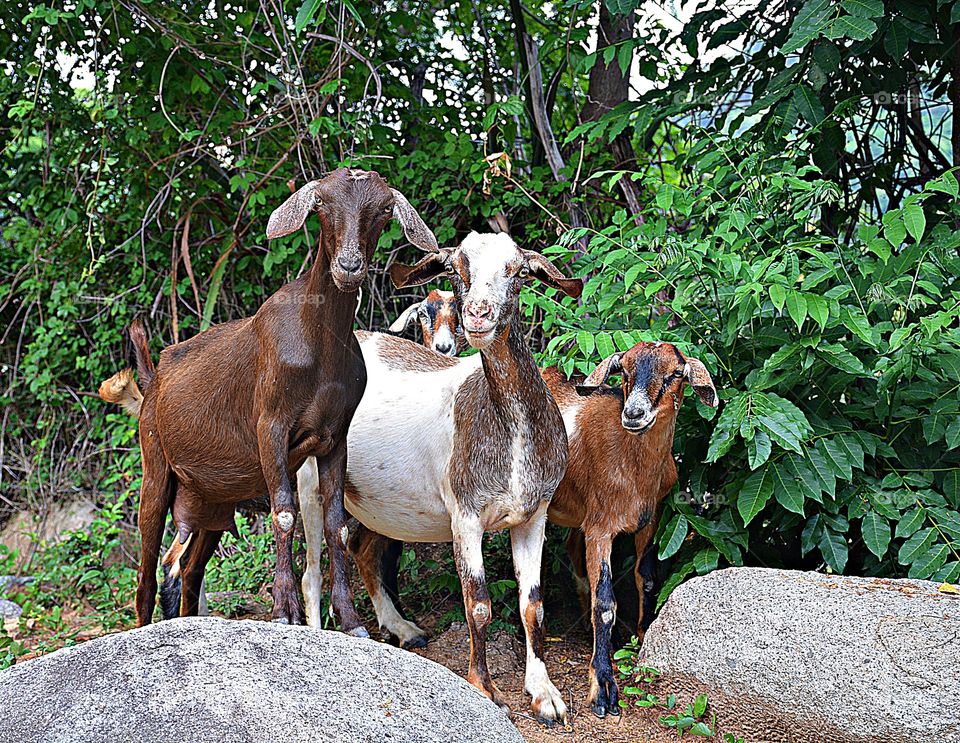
(326, 310)
(651, 449)
(511, 371)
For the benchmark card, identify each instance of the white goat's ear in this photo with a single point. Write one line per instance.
(292, 213)
(610, 365)
(414, 227)
(699, 378)
(427, 269)
(543, 270)
(406, 317)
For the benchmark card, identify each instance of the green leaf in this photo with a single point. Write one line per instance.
(910, 522)
(916, 546)
(308, 9)
(839, 357)
(706, 560)
(928, 562)
(896, 40)
(809, 106)
(758, 449)
(893, 227)
(754, 494)
(585, 342)
(864, 8)
(674, 535)
(852, 27)
(876, 533)
(778, 295)
(836, 457)
(856, 321)
(833, 547)
(797, 308)
(787, 489)
(819, 309)
(914, 220)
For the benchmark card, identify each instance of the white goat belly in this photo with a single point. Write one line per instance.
(398, 447)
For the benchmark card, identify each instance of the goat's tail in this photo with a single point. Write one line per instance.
(145, 368)
(122, 389)
(170, 587)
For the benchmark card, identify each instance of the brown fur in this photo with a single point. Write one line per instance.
(616, 480)
(235, 410)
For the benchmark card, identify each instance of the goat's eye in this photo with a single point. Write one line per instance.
(678, 373)
(523, 272)
(387, 210)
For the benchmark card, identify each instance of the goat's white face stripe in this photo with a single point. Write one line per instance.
(444, 338)
(488, 254)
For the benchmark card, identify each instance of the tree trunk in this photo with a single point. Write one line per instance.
(608, 87)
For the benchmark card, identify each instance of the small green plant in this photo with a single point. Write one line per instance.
(638, 679)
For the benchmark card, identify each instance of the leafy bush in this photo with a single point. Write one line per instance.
(837, 361)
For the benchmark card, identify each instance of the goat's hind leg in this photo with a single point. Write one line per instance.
(378, 560)
(191, 592)
(156, 497)
(527, 542)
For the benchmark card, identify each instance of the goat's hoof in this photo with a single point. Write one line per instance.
(280, 620)
(359, 632)
(599, 709)
(415, 643)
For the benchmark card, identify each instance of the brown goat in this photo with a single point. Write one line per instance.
(234, 411)
(620, 468)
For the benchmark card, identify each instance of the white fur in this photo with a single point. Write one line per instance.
(487, 255)
(311, 511)
(527, 543)
(399, 445)
(444, 338)
(389, 618)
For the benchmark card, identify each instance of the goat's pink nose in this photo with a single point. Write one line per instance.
(479, 310)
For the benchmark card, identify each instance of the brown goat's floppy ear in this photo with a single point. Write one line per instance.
(429, 267)
(699, 378)
(406, 317)
(292, 213)
(414, 227)
(545, 271)
(610, 365)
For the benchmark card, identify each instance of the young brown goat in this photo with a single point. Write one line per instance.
(234, 411)
(439, 320)
(620, 467)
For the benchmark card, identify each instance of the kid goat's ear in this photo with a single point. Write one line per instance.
(610, 365)
(699, 378)
(406, 317)
(543, 270)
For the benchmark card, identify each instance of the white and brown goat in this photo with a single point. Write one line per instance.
(439, 322)
(444, 450)
(620, 468)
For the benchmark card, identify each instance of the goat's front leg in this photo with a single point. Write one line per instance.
(311, 512)
(468, 554)
(527, 542)
(331, 470)
(272, 439)
(603, 685)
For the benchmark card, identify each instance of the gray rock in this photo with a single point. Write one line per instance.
(208, 679)
(794, 656)
(9, 609)
(10, 581)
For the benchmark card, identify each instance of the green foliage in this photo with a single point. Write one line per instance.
(640, 685)
(837, 362)
(785, 211)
